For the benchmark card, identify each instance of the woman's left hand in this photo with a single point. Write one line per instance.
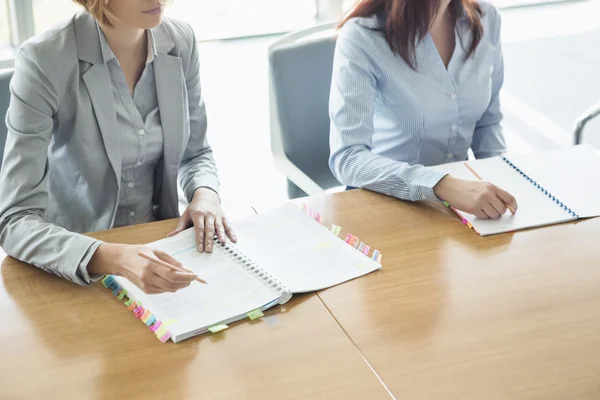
(206, 214)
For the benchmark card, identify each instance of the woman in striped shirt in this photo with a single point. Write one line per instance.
(415, 84)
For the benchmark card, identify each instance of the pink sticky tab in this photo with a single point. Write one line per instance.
(348, 238)
(366, 250)
(166, 337)
(354, 242)
(304, 208)
(318, 218)
(156, 326)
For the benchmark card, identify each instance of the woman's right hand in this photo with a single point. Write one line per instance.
(482, 199)
(152, 278)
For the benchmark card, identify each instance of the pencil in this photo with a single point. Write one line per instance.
(169, 266)
(512, 210)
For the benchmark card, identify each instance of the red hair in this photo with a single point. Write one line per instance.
(405, 22)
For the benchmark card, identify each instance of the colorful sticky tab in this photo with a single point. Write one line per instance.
(447, 204)
(318, 218)
(157, 324)
(107, 280)
(348, 238)
(122, 294)
(335, 229)
(366, 250)
(161, 331)
(361, 247)
(379, 257)
(354, 242)
(145, 315)
(218, 328)
(304, 208)
(256, 314)
(375, 255)
(311, 213)
(132, 306)
(128, 302)
(165, 337)
(138, 312)
(170, 322)
(150, 320)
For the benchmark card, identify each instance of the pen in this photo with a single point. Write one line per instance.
(512, 210)
(169, 266)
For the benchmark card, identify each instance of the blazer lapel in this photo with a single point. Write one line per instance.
(97, 80)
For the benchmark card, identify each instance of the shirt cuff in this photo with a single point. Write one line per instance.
(421, 187)
(206, 181)
(82, 269)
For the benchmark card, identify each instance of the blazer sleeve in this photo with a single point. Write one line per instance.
(198, 167)
(26, 233)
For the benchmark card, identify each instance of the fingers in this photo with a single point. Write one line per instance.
(498, 205)
(220, 231)
(209, 224)
(229, 230)
(182, 224)
(508, 199)
(199, 229)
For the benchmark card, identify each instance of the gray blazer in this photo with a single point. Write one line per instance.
(62, 162)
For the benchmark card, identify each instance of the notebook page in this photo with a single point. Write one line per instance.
(572, 175)
(231, 290)
(298, 251)
(534, 210)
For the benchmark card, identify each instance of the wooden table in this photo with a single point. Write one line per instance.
(61, 341)
(456, 316)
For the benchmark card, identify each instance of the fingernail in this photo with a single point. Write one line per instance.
(200, 248)
(209, 248)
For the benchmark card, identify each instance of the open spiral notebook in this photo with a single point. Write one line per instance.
(551, 187)
(284, 251)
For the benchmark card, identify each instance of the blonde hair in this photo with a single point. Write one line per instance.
(96, 8)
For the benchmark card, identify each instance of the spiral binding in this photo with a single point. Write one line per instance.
(255, 270)
(542, 189)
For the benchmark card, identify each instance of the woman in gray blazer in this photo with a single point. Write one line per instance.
(105, 116)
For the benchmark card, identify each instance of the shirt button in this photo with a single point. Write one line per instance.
(141, 132)
(132, 213)
(423, 196)
(453, 96)
(138, 163)
(130, 184)
(450, 156)
(453, 127)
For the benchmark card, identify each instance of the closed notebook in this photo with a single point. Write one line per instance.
(284, 251)
(551, 187)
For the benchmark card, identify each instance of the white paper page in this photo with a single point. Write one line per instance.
(534, 209)
(298, 251)
(572, 175)
(231, 290)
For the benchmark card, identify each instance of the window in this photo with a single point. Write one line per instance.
(235, 18)
(47, 13)
(5, 45)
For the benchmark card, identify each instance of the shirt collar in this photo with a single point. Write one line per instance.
(107, 53)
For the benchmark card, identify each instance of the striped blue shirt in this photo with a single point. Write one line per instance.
(390, 122)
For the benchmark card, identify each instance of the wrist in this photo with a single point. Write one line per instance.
(442, 187)
(205, 191)
(105, 260)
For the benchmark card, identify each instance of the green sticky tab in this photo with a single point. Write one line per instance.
(128, 302)
(256, 314)
(447, 204)
(218, 328)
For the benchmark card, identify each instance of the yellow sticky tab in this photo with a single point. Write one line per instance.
(170, 322)
(256, 314)
(218, 328)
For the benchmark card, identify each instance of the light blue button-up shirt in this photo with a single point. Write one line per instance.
(390, 122)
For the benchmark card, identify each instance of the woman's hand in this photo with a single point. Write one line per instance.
(151, 277)
(206, 214)
(480, 198)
